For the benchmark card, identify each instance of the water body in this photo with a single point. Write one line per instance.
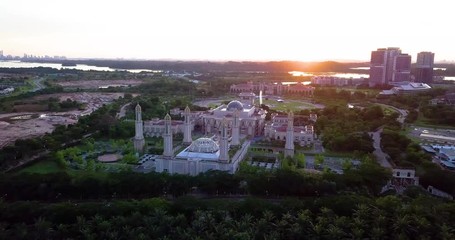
(83, 67)
(368, 68)
(360, 68)
(346, 75)
(332, 74)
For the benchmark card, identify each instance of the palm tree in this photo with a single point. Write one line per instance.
(447, 232)
(335, 232)
(20, 230)
(377, 233)
(403, 225)
(43, 228)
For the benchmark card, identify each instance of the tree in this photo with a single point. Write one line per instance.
(319, 159)
(61, 161)
(347, 164)
(300, 159)
(130, 158)
(90, 165)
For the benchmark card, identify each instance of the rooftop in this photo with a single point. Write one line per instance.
(203, 145)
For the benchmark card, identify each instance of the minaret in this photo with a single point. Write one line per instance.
(138, 140)
(224, 148)
(236, 129)
(289, 147)
(168, 147)
(187, 127)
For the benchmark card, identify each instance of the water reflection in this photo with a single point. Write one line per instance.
(332, 74)
(83, 67)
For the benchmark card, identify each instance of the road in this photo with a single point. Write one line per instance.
(380, 155)
(38, 84)
(403, 113)
(122, 112)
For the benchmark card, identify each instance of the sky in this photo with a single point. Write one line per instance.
(302, 30)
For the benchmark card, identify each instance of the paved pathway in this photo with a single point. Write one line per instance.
(380, 155)
(122, 112)
(38, 84)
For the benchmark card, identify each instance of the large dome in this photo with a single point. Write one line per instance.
(204, 145)
(235, 105)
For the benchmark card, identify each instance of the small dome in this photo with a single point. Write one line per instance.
(235, 105)
(204, 145)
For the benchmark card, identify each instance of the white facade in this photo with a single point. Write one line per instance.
(278, 130)
(289, 146)
(203, 157)
(138, 141)
(225, 124)
(251, 119)
(272, 88)
(168, 144)
(187, 127)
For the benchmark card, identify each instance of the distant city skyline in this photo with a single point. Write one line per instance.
(225, 30)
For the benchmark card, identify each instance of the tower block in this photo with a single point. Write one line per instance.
(224, 146)
(138, 140)
(187, 127)
(236, 129)
(168, 146)
(289, 147)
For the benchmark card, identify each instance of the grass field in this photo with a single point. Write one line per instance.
(42, 167)
(287, 105)
(425, 122)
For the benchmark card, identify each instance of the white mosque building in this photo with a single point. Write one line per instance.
(243, 114)
(229, 128)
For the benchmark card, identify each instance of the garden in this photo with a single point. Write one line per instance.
(91, 155)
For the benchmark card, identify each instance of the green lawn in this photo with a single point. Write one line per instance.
(387, 109)
(425, 122)
(45, 166)
(287, 105)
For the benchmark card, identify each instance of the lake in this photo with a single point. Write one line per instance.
(333, 74)
(345, 75)
(83, 67)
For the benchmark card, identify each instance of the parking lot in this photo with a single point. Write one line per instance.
(433, 135)
(146, 163)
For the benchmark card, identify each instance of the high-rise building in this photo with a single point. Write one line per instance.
(389, 65)
(1, 53)
(392, 54)
(401, 68)
(378, 65)
(424, 67)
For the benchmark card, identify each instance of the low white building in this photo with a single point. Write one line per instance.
(6, 91)
(406, 88)
(277, 130)
(336, 81)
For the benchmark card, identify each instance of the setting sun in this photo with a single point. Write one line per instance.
(223, 30)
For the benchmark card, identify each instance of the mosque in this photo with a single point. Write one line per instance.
(228, 131)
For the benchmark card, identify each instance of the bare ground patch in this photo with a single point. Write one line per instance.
(90, 84)
(23, 125)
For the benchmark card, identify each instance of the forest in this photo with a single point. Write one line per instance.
(346, 216)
